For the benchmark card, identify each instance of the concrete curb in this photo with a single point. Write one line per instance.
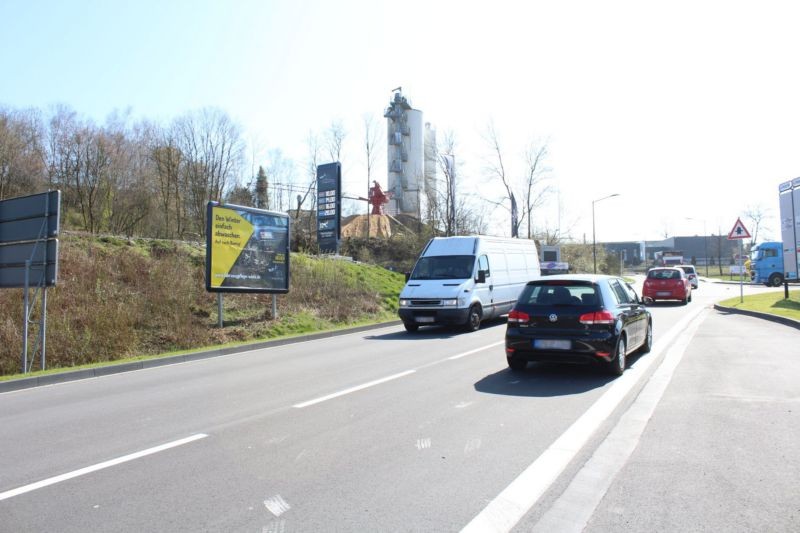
(766, 316)
(50, 379)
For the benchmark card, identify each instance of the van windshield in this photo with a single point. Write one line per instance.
(444, 267)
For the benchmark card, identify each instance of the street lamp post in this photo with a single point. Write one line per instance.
(594, 241)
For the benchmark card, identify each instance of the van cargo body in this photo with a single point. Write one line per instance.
(465, 280)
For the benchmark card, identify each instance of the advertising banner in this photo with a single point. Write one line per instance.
(329, 207)
(247, 249)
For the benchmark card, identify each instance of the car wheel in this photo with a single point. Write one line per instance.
(775, 280)
(689, 298)
(473, 319)
(617, 365)
(411, 328)
(517, 365)
(648, 339)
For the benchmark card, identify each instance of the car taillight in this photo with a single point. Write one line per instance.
(518, 317)
(598, 317)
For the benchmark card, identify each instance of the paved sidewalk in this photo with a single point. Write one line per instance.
(720, 451)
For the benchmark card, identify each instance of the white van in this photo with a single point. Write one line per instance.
(464, 280)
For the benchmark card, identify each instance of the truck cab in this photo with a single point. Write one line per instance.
(766, 264)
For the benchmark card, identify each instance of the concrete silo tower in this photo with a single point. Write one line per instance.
(406, 156)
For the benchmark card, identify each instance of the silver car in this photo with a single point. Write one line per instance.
(691, 273)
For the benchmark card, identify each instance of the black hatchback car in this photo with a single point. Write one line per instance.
(578, 319)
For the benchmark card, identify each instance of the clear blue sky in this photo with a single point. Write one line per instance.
(689, 110)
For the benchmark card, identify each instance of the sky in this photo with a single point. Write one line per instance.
(688, 110)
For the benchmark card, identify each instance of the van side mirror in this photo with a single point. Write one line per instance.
(481, 276)
(647, 300)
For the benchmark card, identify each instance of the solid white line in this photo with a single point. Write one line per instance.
(514, 501)
(476, 350)
(94, 468)
(352, 389)
(574, 508)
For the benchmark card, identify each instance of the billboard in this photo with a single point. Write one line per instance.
(247, 249)
(329, 207)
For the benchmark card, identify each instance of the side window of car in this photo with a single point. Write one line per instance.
(483, 264)
(631, 292)
(620, 293)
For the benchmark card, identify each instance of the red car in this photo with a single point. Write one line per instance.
(667, 284)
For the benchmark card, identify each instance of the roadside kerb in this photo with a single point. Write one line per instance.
(766, 316)
(61, 377)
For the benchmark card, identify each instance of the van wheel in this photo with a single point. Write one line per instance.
(411, 328)
(775, 280)
(473, 319)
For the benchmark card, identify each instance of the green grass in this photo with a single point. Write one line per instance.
(770, 302)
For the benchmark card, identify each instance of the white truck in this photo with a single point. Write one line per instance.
(789, 200)
(465, 280)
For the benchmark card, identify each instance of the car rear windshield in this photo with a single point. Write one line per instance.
(688, 270)
(584, 294)
(664, 274)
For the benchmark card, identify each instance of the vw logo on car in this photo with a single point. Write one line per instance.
(553, 317)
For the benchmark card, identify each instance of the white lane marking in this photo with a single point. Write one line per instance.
(514, 501)
(99, 466)
(352, 389)
(276, 505)
(576, 505)
(476, 350)
(423, 444)
(390, 378)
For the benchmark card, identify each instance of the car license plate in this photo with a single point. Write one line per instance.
(424, 319)
(663, 293)
(549, 344)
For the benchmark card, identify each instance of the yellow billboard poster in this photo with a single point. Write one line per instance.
(247, 249)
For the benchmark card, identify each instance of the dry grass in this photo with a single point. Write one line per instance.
(117, 298)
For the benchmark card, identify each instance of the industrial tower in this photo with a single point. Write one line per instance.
(412, 168)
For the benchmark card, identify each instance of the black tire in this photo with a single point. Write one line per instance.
(411, 328)
(617, 365)
(689, 298)
(648, 339)
(517, 365)
(473, 318)
(775, 280)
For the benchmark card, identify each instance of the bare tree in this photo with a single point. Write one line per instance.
(756, 214)
(213, 152)
(535, 189)
(533, 186)
(373, 134)
(168, 160)
(21, 169)
(334, 140)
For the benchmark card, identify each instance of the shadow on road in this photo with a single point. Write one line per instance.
(544, 380)
(434, 332)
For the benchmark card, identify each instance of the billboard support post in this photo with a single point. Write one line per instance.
(220, 319)
(25, 309)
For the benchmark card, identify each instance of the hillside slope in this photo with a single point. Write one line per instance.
(119, 298)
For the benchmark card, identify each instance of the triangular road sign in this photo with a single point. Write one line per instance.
(738, 231)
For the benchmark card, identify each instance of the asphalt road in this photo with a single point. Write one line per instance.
(386, 431)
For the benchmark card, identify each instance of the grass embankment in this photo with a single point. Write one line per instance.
(769, 302)
(120, 299)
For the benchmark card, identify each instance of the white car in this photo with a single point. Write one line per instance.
(691, 273)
